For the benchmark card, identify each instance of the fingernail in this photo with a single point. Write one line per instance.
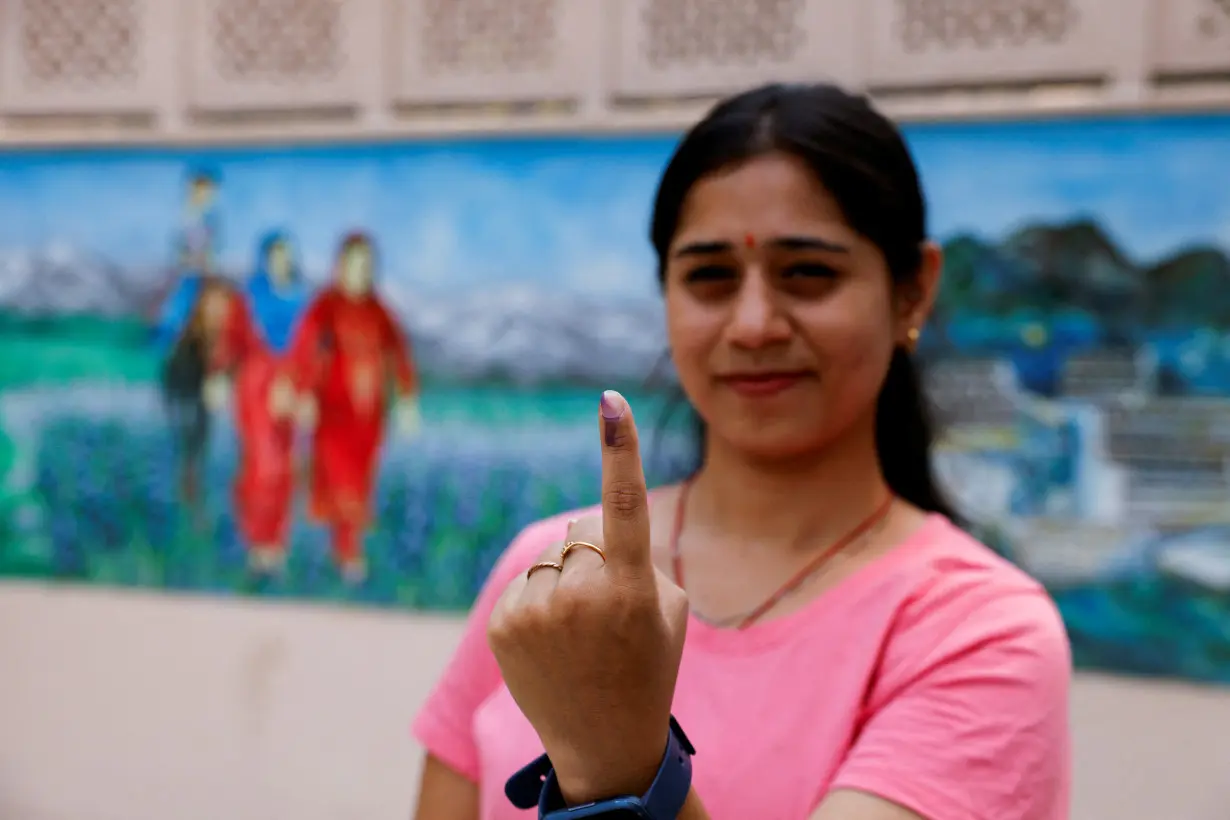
(612, 409)
(612, 405)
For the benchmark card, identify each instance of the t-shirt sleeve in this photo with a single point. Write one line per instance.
(444, 725)
(971, 723)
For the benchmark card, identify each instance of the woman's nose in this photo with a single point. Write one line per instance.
(756, 318)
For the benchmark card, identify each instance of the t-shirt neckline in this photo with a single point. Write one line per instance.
(772, 631)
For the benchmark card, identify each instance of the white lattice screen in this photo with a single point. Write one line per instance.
(984, 42)
(276, 54)
(76, 56)
(481, 51)
(1193, 37)
(189, 69)
(708, 47)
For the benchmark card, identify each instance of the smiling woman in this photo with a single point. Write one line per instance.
(804, 606)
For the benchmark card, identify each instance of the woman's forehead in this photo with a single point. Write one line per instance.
(764, 197)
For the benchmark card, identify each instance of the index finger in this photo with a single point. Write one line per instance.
(625, 505)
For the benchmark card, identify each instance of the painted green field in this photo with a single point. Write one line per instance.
(90, 477)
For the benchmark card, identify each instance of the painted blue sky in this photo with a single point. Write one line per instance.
(573, 211)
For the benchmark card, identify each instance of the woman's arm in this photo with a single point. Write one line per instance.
(841, 805)
(444, 794)
(397, 347)
(846, 804)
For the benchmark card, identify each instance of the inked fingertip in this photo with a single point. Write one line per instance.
(612, 405)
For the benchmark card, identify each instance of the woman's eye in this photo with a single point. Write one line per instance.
(808, 271)
(711, 273)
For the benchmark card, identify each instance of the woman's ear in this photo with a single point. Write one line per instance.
(916, 298)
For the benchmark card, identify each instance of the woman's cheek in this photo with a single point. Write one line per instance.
(690, 350)
(853, 359)
(692, 369)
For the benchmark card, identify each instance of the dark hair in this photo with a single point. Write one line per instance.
(358, 240)
(861, 158)
(204, 176)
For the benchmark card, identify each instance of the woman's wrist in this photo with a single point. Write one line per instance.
(633, 775)
(693, 809)
(630, 770)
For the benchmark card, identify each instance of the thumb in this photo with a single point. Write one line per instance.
(625, 505)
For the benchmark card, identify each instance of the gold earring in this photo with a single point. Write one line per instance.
(912, 334)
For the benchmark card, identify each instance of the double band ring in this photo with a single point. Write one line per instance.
(558, 567)
(571, 545)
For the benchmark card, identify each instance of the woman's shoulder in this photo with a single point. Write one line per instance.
(955, 582)
(954, 557)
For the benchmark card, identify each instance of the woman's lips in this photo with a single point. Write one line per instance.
(762, 385)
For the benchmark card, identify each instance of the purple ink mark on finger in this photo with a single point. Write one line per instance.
(612, 409)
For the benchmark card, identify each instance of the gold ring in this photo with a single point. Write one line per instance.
(544, 565)
(571, 545)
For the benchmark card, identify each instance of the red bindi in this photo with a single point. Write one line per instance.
(749, 241)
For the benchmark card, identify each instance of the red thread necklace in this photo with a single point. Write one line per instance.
(797, 580)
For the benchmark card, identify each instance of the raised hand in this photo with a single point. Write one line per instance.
(407, 416)
(589, 640)
(216, 392)
(307, 412)
(281, 398)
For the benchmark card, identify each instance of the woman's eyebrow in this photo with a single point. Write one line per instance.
(808, 243)
(703, 249)
(790, 243)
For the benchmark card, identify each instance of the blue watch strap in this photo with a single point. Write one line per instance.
(670, 788)
(525, 787)
(535, 784)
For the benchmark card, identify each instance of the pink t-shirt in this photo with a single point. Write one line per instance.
(935, 677)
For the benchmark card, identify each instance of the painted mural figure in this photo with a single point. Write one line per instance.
(199, 231)
(189, 324)
(254, 350)
(347, 350)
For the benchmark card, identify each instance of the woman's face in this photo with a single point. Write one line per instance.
(782, 320)
(355, 275)
(202, 193)
(280, 260)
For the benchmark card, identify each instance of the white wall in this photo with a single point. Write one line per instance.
(117, 706)
(187, 78)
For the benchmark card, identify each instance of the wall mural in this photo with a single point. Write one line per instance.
(353, 373)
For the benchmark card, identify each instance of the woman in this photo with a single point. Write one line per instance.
(255, 349)
(850, 654)
(346, 350)
(187, 328)
(192, 324)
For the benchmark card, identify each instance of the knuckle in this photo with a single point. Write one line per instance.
(588, 528)
(570, 602)
(514, 627)
(551, 552)
(622, 439)
(498, 634)
(623, 499)
(534, 618)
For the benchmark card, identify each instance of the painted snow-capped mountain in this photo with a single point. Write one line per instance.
(517, 332)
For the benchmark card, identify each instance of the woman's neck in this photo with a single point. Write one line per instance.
(787, 503)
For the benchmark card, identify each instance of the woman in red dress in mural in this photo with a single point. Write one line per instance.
(253, 349)
(346, 349)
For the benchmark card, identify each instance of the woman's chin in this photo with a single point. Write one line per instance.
(777, 440)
